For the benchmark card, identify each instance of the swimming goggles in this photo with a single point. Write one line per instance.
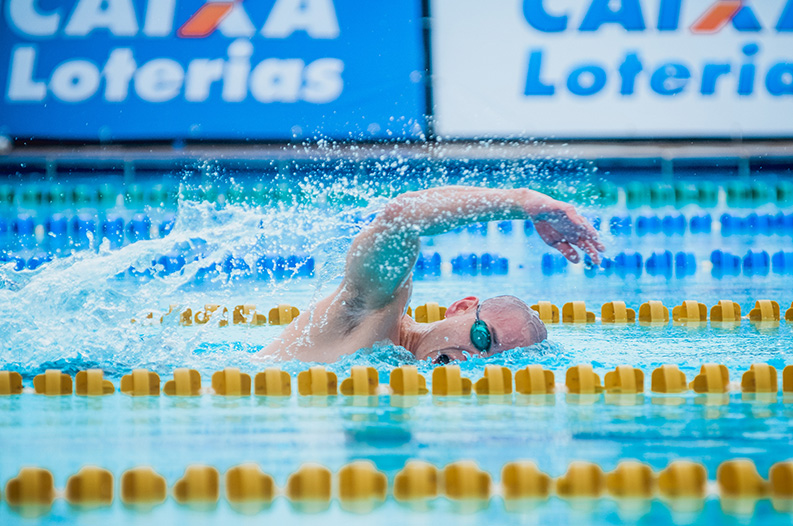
(480, 334)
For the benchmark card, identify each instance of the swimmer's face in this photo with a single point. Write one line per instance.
(506, 319)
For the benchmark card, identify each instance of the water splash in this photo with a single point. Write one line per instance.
(75, 312)
(78, 309)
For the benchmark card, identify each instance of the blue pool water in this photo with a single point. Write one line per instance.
(73, 311)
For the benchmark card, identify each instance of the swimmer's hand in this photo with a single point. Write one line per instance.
(562, 228)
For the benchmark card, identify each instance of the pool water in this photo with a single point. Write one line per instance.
(74, 310)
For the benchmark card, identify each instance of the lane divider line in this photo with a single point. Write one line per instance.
(760, 379)
(360, 486)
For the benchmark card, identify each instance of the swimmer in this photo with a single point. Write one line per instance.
(369, 306)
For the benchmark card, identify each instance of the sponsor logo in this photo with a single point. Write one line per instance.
(669, 78)
(119, 18)
(118, 75)
(724, 12)
(630, 14)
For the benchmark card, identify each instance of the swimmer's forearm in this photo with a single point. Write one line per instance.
(438, 210)
(383, 255)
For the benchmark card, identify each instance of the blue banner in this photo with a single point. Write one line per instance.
(218, 69)
(597, 69)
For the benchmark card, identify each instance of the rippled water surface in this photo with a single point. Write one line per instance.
(75, 312)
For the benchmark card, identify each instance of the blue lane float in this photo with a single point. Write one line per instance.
(752, 224)
(719, 258)
(78, 226)
(700, 224)
(268, 267)
(428, 265)
(756, 224)
(653, 224)
(465, 264)
(23, 225)
(504, 227)
(621, 225)
(685, 264)
(648, 225)
(674, 225)
(760, 223)
(681, 264)
(628, 263)
(139, 228)
(472, 264)
(782, 262)
(57, 225)
(477, 229)
(756, 263)
(73, 232)
(784, 223)
(81, 225)
(660, 263)
(606, 266)
(725, 264)
(623, 264)
(493, 264)
(113, 229)
(731, 224)
(553, 263)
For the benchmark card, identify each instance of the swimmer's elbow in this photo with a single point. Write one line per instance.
(395, 210)
(400, 213)
(395, 224)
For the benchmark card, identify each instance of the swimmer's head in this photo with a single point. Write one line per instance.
(508, 321)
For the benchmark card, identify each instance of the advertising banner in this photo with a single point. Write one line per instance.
(613, 68)
(217, 69)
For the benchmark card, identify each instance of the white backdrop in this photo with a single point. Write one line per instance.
(481, 53)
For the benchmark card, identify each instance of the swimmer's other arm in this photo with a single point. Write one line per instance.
(382, 256)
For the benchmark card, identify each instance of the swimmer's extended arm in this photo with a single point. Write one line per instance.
(383, 255)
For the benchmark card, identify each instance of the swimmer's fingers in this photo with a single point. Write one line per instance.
(592, 236)
(564, 236)
(583, 235)
(565, 219)
(567, 251)
(554, 239)
(588, 241)
(586, 231)
(590, 248)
